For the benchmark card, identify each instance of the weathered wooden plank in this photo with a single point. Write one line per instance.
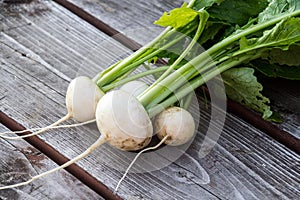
(245, 163)
(285, 98)
(19, 161)
(92, 43)
(130, 17)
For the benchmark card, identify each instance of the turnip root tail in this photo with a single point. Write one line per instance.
(42, 130)
(101, 140)
(136, 157)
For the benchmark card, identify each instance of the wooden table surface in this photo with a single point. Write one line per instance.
(45, 44)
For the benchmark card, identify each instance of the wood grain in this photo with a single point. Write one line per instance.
(285, 98)
(132, 18)
(245, 163)
(19, 161)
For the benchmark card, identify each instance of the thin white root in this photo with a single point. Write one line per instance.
(41, 130)
(23, 131)
(101, 140)
(136, 157)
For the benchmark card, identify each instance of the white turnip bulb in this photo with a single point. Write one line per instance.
(134, 87)
(177, 124)
(124, 121)
(82, 97)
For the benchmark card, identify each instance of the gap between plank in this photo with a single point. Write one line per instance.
(272, 130)
(103, 27)
(59, 159)
(254, 119)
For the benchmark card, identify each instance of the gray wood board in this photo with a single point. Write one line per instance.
(135, 19)
(132, 18)
(245, 162)
(19, 161)
(285, 98)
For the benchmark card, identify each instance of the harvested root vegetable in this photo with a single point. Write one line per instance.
(177, 124)
(134, 87)
(123, 121)
(82, 97)
(174, 126)
(124, 127)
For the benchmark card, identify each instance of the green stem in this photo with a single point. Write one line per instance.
(105, 71)
(195, 83)
(110, 73)
(191, 3)
(118, 72)
(184, 53)
(170, 84)
(188, 101)
(134, 77)
(121, 77)
(147, 67)
(125, 62)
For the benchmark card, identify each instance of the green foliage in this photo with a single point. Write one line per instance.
(236, 11)
(280, 63)
(242, 86)
(284, 34)
(288, 57)
(200, 4)
(178, 17)
(278, 8)
(275, 70)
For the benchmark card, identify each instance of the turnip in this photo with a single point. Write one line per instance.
(123, 123)
(134, 87)
(82, 97)
(177, 124)
(174, 126)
